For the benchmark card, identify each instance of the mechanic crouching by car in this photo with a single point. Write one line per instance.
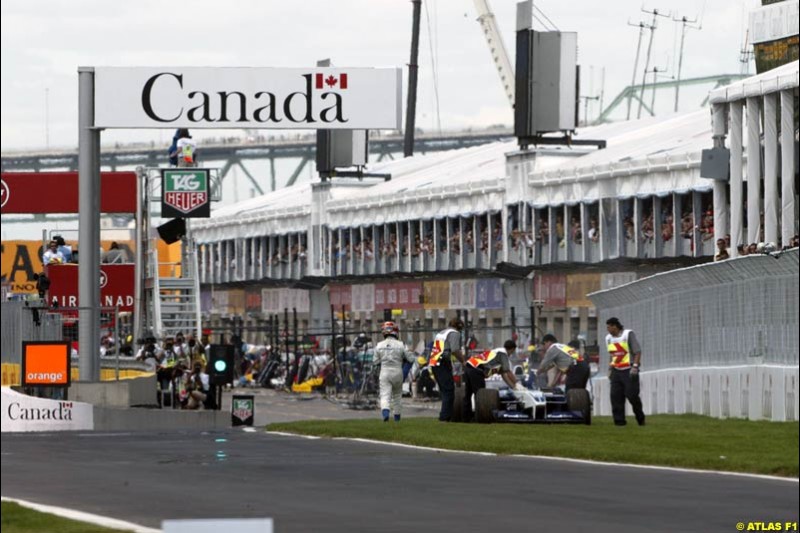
(446, 344)
(390, 354)
(479, 367)
(567, 360)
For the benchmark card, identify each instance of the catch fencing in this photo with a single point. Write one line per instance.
(32, 320)
(719, 339)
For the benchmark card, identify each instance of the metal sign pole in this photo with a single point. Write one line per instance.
(88, 229)
(117, 340)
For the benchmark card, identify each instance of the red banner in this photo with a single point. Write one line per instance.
(340, 295)
(116, 285)
(401, 295)
(551, 288)
(57, 192)
(252, 300)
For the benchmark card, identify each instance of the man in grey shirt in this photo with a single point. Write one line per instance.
(625, 358)
(446, 344)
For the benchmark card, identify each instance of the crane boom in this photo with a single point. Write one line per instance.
(496, 47)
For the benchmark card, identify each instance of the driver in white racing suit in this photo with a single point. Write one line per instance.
(390, 354)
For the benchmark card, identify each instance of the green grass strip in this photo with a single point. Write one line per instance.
(685, 441)
(19, 519)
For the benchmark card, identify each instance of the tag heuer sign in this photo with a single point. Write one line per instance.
(184, 193)
(242, 409)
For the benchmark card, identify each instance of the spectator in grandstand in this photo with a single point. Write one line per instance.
(722, 251)
(666, 228)
(52, 256)
(752, 248)
(630, 232)
(560, 230)
(390, 354)
(455, 242)
(707, 225)
(647, 228)
(65, 249)
(575, 230)
(623, 371)
(687, 226)
(481, 366)
(115, 254)
(594, 231)
(197, 386)
(446, 345)
(544, 231)
(567, 360)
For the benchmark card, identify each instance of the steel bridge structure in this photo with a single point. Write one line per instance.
(236, 154)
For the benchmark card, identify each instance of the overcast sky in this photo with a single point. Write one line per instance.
(44, 42)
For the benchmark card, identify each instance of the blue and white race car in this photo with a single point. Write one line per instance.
(499, 403)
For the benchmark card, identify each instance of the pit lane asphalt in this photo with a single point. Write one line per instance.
(344, 486)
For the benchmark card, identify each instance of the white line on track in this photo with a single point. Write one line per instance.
(83, 517)
(548, 458)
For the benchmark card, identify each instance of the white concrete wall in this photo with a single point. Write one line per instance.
(755, 392)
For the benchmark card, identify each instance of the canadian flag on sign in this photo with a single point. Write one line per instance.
(331, 81)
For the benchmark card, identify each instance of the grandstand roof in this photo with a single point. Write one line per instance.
(642, 159)
(653, 155)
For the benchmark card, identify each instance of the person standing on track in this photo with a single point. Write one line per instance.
(623, 371)
(390, 355)
(446, 344)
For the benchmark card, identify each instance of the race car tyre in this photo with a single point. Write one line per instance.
(578, 400)
(486, 401)
(458, 405)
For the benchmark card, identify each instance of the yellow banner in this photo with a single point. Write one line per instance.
(22, 259)
(236, 301)
(437, 294)
(578, 286)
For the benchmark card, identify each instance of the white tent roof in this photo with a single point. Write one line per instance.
(654, 157)
(654, 154)
(777, 79)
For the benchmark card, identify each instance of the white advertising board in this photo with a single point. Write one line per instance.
(239, 97)
(23, 413)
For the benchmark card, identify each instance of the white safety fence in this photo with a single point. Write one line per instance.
(719, 339)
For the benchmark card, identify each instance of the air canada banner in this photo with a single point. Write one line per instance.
(276, 98)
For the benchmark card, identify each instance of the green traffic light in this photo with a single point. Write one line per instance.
(220, 365)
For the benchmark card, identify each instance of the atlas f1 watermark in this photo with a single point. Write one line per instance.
(766, 526)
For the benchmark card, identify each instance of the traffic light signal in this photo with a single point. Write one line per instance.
(220, 364)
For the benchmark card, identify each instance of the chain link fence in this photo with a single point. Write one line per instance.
(32, 320)
(718, 314)
(719, 339)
